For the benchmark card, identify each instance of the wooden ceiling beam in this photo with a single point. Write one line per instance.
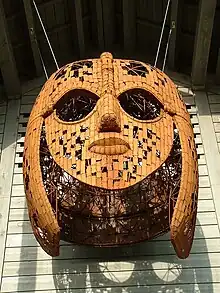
(28, 7)
(7, 59)
(105, 24)
(129, 25)
(202, 44)
(80, 27)
(174, 26)
(100, 29)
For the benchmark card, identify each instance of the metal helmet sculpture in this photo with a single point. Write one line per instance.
(110, 157)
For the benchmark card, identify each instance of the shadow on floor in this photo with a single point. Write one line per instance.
(149, 267)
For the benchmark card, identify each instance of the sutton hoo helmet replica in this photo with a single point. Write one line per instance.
(110, 158)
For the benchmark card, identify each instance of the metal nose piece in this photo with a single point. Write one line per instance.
(108, 105)
(109, 115)
(109, 123)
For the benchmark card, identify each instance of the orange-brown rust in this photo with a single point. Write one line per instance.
(110, 157)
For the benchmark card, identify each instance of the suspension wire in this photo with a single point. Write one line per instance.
(161, 34)
(167, 47)
(45, 33)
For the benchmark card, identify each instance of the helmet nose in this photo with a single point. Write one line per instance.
(108, 109)
(108, 114)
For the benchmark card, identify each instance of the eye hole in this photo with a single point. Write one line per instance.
(140, 104)
(75, 105)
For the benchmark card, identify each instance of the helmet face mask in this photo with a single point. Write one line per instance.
(109, 148)
(110, 157)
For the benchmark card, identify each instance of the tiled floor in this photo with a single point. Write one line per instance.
(148, 267)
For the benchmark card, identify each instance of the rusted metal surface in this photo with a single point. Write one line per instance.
(110, 157)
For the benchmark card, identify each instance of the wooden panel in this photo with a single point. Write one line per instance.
(108, 10)
(174, 26)
(99, 21)
(149, 33)
(210, 146)
(189, 23)
(202, 45)
(216, 117)
(32, 35)
(200, 150)
(204, 181)
(192, 109)
(2, 125)
(159, 248)
(139, 279)
(214, 99)
(80, 27)
(2, 128)
(194, 120)
(28, 99)
(45, 266)
(189, 100)
(33, 87)
(3, 110)
(214, 90)
(144, 264)
(18, 203)
(203, 171)
(214, 61)
(7, 58)
(67, 52)
(218, 136)
(186, 35)
(214, 288)
(217, 127)
(107, 32)
(151, 269)
(17, 190)
(1, 138)
(60, 24)
(2, 117)
(25, 109)
(18, 215)
(151, 10)
(205, 193)
(18, 179)
(215, 108)
(217, 76)
(196, 129)
(61, 12)
(129, 25)
(6, 170)
(150, 15)
(21, 44)
(90, 27)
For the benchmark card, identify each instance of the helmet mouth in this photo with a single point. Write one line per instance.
(109, 146)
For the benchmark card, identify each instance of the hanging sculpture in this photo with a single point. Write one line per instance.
(110, 157)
